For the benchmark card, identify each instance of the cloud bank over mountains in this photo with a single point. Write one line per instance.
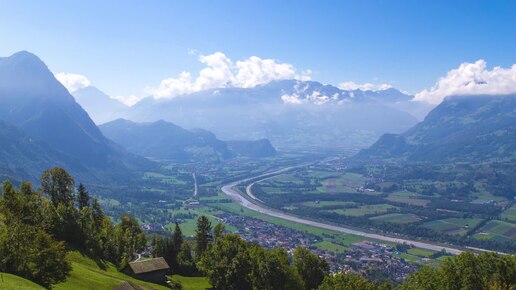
(222, 72)
(350, 86)
(471, 79)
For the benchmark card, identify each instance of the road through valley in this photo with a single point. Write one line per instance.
(255, 205)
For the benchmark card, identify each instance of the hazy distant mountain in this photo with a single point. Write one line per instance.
(32, 100)
(167, 141)
(258, 148)
(100, 107)
(290, 113)
(469, 128)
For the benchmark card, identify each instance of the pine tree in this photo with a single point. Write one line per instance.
(83, 197)
(203, 237)
(218, 230)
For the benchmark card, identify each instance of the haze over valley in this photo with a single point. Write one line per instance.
(325, 146)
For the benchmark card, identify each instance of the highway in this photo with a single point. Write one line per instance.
(231, 192)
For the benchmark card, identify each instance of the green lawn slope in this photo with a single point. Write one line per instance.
(9, 281)
(88, 274)
(99, 275)
(193, 283)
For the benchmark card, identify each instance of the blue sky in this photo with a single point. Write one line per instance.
(124, 46)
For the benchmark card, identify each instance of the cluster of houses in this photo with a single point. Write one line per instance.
(367, 256)
(362, 256)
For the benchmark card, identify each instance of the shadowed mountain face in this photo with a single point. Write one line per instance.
(292, 114)
(461, 128)
(23, 157)
(34, 102)
(32, 99)
(167, 141)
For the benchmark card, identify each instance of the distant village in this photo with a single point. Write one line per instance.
(362, 258)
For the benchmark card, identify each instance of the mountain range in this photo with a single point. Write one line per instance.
(461, 128)
(290, 113)
(42, 126)
(166, 141)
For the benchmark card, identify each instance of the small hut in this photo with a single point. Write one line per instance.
(151, 270)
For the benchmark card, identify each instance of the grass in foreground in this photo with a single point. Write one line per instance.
(193, 283)
(10, 281)
(86, 274)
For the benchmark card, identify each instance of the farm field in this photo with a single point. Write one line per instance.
(510, 213)
(410, 258)
(331, 247)
(399, 218)
(453, 226)
(364, 210)
(188, 225)
(497, 230)
(349, 182)
(405, 198)
(420, 252)
(326, 203)
(172, 180)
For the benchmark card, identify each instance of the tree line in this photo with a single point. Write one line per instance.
(38, 226)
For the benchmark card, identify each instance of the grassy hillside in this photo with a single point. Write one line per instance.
(88, 274)
(99, 275)
(9, 281)
(193, 283)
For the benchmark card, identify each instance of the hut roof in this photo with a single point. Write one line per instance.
(149, 265)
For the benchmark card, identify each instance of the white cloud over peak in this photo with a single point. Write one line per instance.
(471, 78)
(221, 71)
(71, 81)
(364, 87)
(254, 71)
(127, 100)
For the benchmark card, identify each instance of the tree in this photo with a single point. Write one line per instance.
(129, 238)
(203, 237)
(83, 197)
(271, 270)
(177, 238)
(342, 281)
(310, 267)
(424, 279)
(218, 230)
(66, 224)
(48, 265)
(97, 212)
(185, 260)
(26, 249)
(227, 264)
(467, 271)
(59, 185)
(156, 246)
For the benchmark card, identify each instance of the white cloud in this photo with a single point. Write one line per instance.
(301, 95)
(127, 100)
(221, 71)
(218, 72)
(292, 99)
(254, 71)
(471, 78)
(72, 82)
(348, 86)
